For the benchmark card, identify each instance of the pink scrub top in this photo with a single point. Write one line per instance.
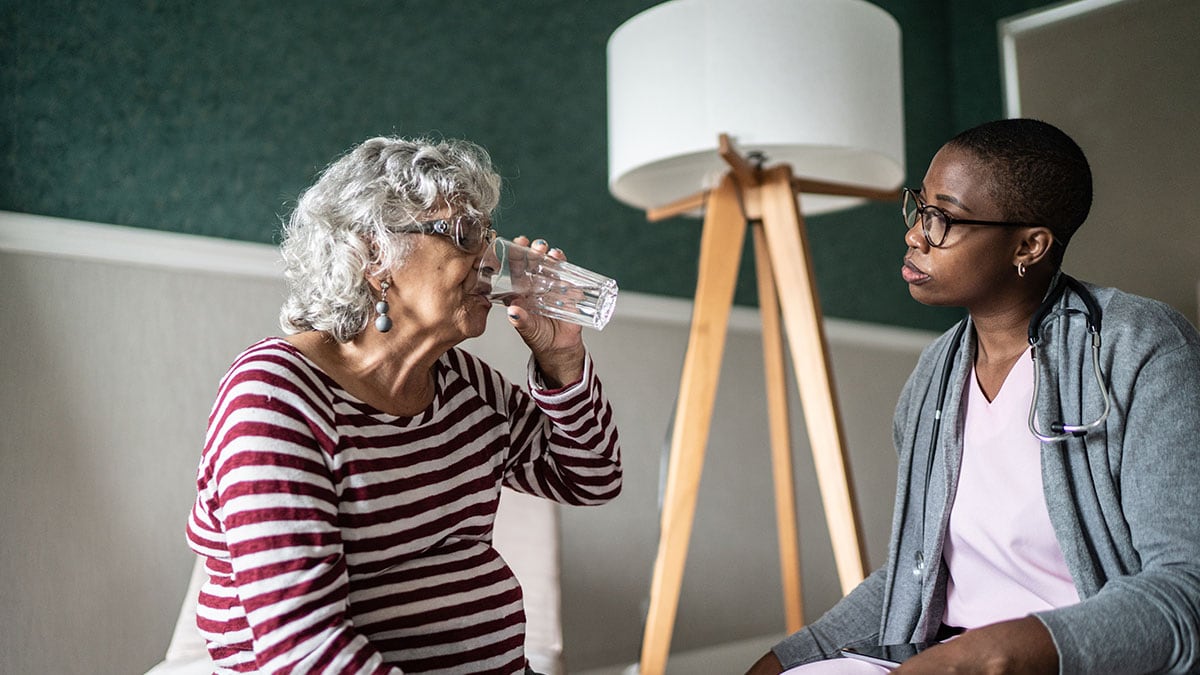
(1004, 559)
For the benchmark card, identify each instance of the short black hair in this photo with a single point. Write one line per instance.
(1039, 174)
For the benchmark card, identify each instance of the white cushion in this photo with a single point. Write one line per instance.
(526, 535)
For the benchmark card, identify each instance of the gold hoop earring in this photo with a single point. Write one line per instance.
(1021, 269)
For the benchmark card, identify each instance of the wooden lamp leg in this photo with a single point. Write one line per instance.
(780, 434)
(720, 255)
(787, 245)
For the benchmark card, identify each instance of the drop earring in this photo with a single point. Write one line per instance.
(383, 323)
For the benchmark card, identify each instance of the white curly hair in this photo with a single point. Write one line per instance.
(341, 229)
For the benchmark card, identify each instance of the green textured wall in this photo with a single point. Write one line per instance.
(208, 118)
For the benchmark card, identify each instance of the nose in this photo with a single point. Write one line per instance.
(915, 237)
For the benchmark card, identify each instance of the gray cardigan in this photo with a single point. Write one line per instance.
(1124, 501)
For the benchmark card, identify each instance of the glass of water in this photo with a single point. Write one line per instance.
(513, 274)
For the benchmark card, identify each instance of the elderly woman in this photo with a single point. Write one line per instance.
(351, 470)
(1046, 509)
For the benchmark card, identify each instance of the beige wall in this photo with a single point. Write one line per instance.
(1120, 77)
(109, 366)
(106, 370)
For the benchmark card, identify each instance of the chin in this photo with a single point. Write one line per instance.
(477, 321)
(923, 296)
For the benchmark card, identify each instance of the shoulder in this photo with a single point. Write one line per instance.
(476, 372)
(1137, 320)
(930, 366)
(271, 403)
(936, 351)
(274, 374)
(1145, 343)
(273, 359)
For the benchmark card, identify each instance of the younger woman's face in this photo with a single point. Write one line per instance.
(974, 261)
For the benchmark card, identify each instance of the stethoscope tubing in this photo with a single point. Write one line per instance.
(1061, 431)
(944, 382)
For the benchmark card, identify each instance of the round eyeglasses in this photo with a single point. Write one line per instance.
(935, 223)
(469, 233)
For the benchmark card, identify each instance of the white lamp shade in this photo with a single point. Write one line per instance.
(813, 83)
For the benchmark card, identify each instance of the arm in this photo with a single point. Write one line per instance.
(1148, 621)
(563, 442)
(276, 503)
(1017, 646)
(855, 618)
(1146, 617)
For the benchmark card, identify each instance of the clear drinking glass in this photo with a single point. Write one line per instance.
(515, 274)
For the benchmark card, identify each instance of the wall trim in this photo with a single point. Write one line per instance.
(65, 238)
(1010, 28)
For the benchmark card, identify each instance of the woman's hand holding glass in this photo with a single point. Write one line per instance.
(556, 345)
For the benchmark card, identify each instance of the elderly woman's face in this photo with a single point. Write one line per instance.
(974, 261)
(436, 288)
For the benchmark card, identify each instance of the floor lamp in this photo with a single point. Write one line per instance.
(811, 90)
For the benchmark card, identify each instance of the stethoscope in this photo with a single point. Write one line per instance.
(1061, 431)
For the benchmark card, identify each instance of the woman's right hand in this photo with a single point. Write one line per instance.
(557, 346)
(1015, 646)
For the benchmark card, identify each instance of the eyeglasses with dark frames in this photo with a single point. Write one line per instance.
(469, 233)
(936, 223)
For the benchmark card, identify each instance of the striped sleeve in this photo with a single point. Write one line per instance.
(271, 492)
(563, 442)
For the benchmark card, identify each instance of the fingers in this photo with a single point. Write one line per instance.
(517, 316)
(538, 333)
(541, 246)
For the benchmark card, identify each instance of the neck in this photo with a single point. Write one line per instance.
(391, 371)
(397, 366)
(1002, 327)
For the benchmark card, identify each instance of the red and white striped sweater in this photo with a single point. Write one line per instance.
(341, 539)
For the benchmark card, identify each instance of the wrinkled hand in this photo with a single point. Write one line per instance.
(1017, 646)
(557, 346)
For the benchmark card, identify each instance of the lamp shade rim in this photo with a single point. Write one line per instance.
(654, 184)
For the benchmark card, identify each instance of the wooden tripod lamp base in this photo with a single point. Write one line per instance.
(765, 198)
(816, 85)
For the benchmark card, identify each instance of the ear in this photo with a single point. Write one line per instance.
(1034, 246)
(376, 278)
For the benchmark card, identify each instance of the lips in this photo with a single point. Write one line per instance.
(913, 274)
